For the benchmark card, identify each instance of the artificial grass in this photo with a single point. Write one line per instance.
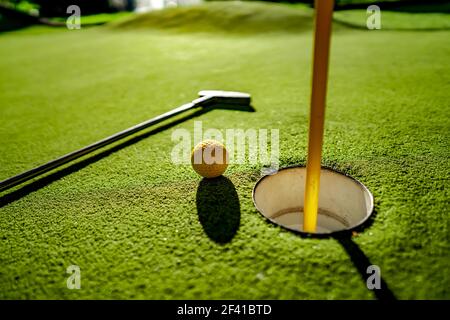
(257, 17)
(224, 16)
(138, 225)
(97, 19)
(391, 20)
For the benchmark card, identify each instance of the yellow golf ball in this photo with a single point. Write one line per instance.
(209, 158)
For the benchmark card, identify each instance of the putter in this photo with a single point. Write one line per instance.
(207, 99)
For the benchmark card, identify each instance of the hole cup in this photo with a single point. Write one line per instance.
(344, 202)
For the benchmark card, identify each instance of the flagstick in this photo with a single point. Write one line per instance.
(324, 13)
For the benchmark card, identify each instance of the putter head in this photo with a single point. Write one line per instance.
(226, 97)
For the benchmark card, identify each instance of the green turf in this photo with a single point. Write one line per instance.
(391, 20)
(130, 219)
(229, 17)
(97, 19)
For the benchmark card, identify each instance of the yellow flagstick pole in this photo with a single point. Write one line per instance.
(324, 13)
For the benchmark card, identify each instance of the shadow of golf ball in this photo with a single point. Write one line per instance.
(218, 208)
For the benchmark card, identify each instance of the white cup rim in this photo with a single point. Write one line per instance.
(353, 227)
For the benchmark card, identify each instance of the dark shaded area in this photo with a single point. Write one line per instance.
(417, 6)
(46, 180)
(11, 19)
(411, 6)
(58, 8)
(362, 262)
(360, 27)
(218, 208)
(408, 6)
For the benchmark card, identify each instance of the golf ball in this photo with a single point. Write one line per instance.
(209, 158)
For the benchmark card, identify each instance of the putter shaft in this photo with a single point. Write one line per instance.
(24, 176)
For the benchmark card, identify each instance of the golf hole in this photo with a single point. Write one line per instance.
(344, 202)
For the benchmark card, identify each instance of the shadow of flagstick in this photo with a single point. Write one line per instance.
(357, 256)
(52, 177)
(362, 262)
